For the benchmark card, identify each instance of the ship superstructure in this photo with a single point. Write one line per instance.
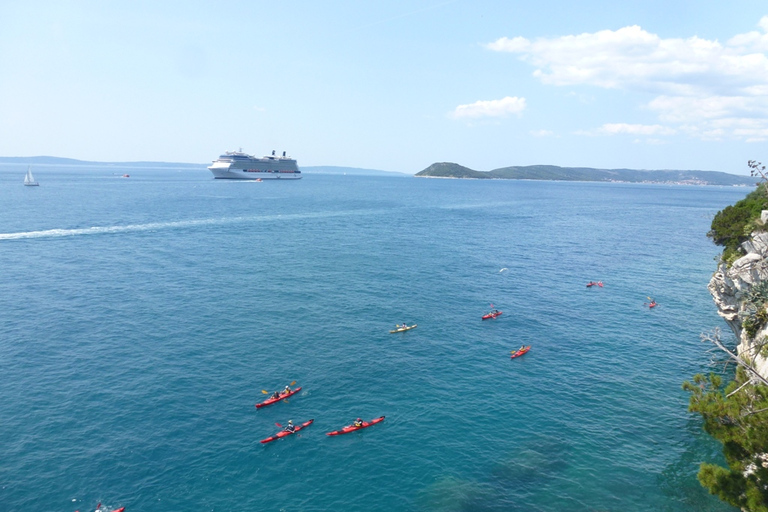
(236, 165)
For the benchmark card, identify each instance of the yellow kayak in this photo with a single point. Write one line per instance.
(404, 328)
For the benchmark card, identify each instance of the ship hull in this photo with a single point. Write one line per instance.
(241, 174)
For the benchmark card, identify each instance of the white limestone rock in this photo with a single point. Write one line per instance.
(730, 286)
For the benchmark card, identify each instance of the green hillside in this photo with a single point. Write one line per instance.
(555, 173)
(450, 170)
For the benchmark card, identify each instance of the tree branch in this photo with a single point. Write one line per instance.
(715, 338)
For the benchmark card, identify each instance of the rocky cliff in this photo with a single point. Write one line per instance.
(738, 293)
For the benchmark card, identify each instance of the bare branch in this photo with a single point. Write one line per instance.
(755, 412)
(747, 382)
(714, 337)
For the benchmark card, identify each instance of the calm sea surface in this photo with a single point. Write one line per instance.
(141, 318)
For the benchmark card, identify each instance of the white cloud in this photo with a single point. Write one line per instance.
(646, 130)
(635, 129)
(542, 133)
(694, 80)
(490, 108)
(703, 108)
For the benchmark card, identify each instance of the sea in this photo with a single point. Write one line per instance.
(142, 318)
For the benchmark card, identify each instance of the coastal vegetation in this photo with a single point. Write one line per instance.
(733, 225)
(737, 414)
(555, 173)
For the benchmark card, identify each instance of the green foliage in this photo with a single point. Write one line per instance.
(754, 322)
(755, 305)
(740, 423)
(758, 294)
(726, 485)
(733, 224)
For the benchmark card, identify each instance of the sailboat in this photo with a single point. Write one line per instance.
(29, 180)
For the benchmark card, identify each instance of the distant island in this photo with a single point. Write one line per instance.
(555, 173)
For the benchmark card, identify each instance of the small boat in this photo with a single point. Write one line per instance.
(403, 328)
(492, 314)
(522, 350)
(29, 180)
(125, 176)
(652, 304)
(352, 428)
(595, 283)
(284, 433)
(282, 396)
(100, 509)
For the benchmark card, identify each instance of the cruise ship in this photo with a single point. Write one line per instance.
(236, 165)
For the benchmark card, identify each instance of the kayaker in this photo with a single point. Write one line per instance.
(358, 423)
(276, 395)
(289, 427)
(287, 390)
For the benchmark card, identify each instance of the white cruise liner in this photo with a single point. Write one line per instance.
(236, 165)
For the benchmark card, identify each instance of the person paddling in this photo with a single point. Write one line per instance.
(290, 427)
(358, 423)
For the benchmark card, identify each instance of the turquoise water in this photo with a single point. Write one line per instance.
(142, 317)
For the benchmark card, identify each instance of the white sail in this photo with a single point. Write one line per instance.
(29, 180)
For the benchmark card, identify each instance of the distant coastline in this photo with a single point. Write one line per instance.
(444, 170)
(554, 173)
(71, 162)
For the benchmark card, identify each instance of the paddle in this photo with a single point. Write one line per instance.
(267, 392)
(279, 425)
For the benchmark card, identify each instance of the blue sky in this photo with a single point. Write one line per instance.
(392, 85)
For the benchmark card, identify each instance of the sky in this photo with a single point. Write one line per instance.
(392, 85)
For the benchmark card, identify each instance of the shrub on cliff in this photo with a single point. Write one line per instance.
(733, 224)
(736, 416)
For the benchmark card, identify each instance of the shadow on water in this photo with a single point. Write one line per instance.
(451, 494)
(510, 485)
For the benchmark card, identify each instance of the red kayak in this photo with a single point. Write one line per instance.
(520, 351)
(98, 508)
(652, 304)
(282, 396)
(284, 433)
(492, 314)
(352, 428)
